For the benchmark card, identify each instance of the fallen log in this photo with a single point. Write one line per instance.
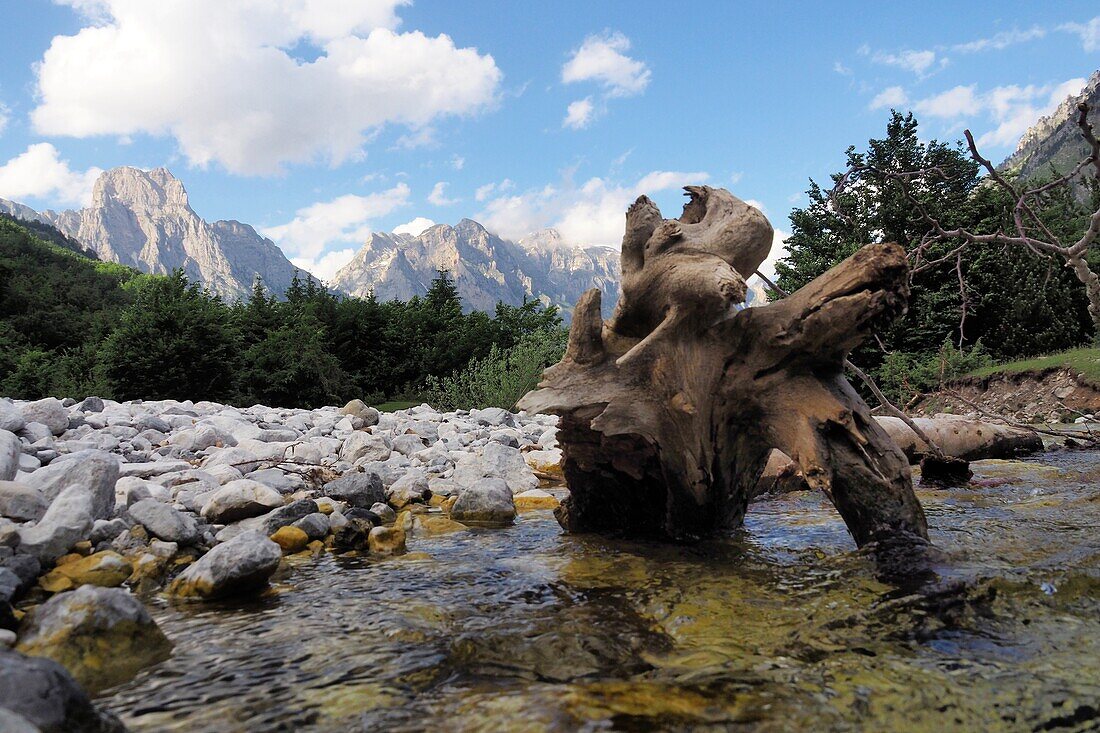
(960, 437)
(670, 410)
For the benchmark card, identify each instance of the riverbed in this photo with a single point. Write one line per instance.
(781, 626)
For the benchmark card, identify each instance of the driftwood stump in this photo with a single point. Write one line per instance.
(669, 410)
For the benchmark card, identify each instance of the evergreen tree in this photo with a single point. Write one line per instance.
(174, 342)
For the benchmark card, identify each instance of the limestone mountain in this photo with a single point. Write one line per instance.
(1055, 142)
(485, 267)
(143, 219)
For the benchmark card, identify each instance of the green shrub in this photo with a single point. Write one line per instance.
(501, 377)
(904, 375)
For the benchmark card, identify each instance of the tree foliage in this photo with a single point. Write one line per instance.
(1016, 303)
(73, 326)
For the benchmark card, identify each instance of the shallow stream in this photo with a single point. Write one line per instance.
(782, 626)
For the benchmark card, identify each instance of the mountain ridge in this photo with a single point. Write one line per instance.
(144, 219)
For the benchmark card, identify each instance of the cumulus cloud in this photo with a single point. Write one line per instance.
(1088, 32)
(579, 114)
(414, 227)
(39, 173)
(1011, 109)
(438, 196)
(778, 252)
(325, 266)
(344, 219)
(224, 79)
(591, 214)
(955, 102)
(484, 192)
(602, 58)
(890, 97)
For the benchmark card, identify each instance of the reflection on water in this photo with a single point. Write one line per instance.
(782, 626)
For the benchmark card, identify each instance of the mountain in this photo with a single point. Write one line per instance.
(143, 219)
(1055, 140)
(485, 267)
(47, 233)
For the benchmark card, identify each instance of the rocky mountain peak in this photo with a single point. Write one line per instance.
(486, 268)
(1055, 141)
(155, 191)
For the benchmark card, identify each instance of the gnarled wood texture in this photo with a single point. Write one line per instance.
(669, 410)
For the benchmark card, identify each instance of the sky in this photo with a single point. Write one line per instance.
(319, 121)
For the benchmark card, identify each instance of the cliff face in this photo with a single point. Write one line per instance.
(485, 268)
(143, 219)
(1055, 140)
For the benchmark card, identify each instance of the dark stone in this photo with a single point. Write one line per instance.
(944, 473)
(42, 692)
(355, 534)
(288, 514)
(361, 489)
(365, 514)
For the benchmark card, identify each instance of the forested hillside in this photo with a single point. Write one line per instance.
(70, 325)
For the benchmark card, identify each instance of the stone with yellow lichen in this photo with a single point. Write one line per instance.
(290, 538)
(103, 636)
(433, 525)
(107, 569)
(535, 499)
(386, 541)
(241, 565)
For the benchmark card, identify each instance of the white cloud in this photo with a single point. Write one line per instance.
(414, 227)
(1011, 109)
(438, 196)
(579, 114)
(222, 80)
(484, 192)
(918, 62)
(326, 265)
(1089, 33)
(40, 173)
(602, 58)
(778, 252)
(4, 117)
(458, 162)
(586, 215)
(736, 177)
(956, 102)
(1002, 40)
(841, 69)
(343, 219)
(890, 97)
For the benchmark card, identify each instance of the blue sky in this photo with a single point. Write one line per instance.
(318, 121)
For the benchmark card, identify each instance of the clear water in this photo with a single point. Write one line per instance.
(782, 626)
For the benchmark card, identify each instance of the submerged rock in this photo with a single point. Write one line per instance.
(241, 565)
(103, 636)
(42, 693)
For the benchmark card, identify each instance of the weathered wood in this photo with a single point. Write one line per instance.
(670, 409)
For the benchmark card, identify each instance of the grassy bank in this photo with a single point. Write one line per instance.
(1078, 361)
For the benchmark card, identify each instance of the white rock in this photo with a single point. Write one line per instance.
(11, 417)
(92, 472)
(165, 522)
(497, 461)
(10, 450)
(240, 499)
(489, 501)
(49, 411)
(365, 446)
